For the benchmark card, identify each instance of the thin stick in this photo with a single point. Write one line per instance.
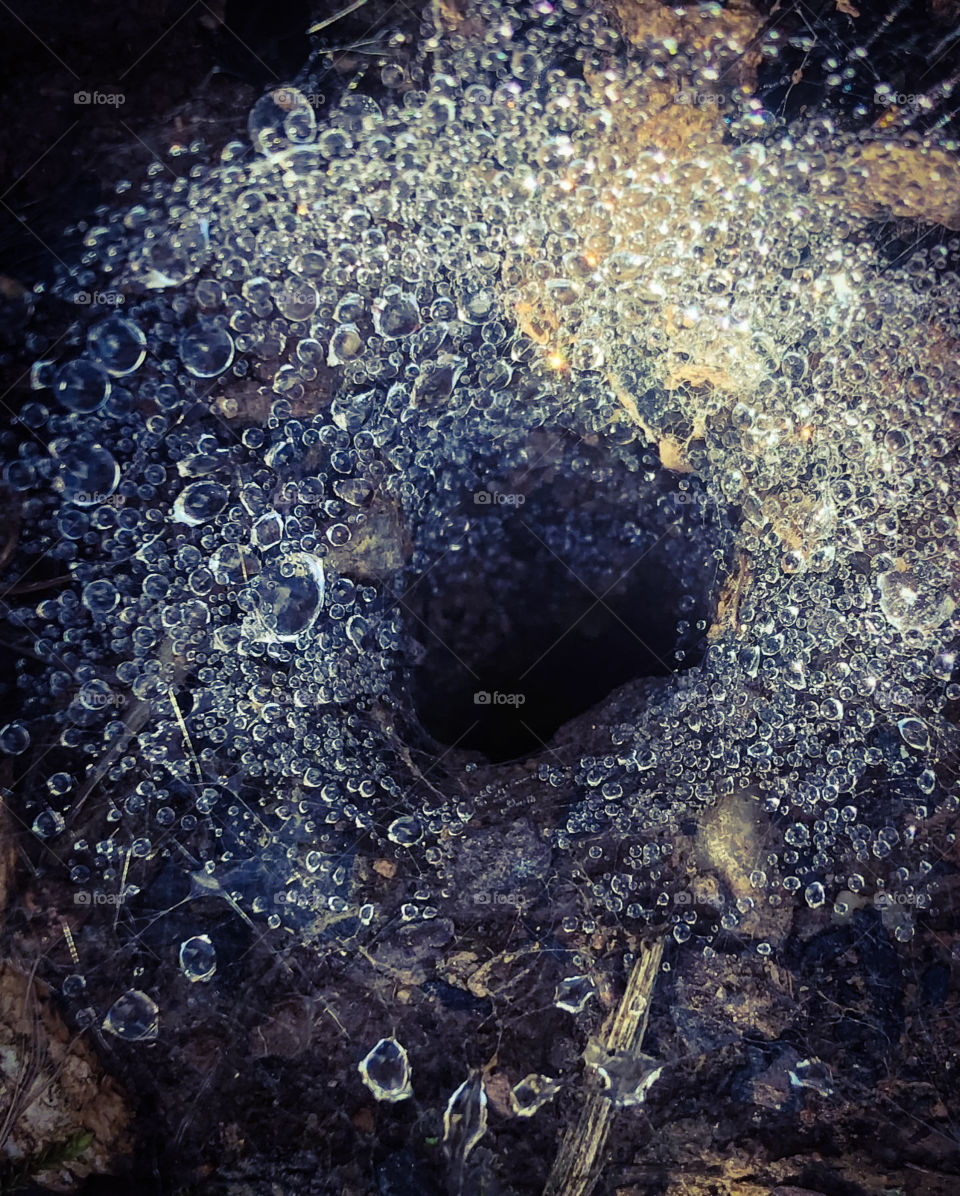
(344, 12)
(575, 1170)
(185, 733)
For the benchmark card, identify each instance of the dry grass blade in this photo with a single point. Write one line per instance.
(575, 1171)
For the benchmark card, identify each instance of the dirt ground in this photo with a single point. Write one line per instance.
(254, 1086)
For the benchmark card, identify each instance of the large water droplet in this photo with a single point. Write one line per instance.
(198, 958)
(88, 473)
(465, 1118)
(100, 598)
(911, 604)
(48, 824)
(405, 831)
(573, 993)
(118, 344)
(82, 386)
(280, 119)
(396, 314)
(386, 1071)
(199, 503)
(134, 1017)
(532, 1093)
(14, 739)
(290, 595)
(206, 352)
(913, 732)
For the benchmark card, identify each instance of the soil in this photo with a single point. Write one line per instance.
(253, 1086)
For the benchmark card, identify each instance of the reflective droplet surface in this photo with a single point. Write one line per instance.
(913, 732)
(626, 1076)
(405, 831)
(119, 345)
(289, 596)
(200, 502)
(532, 1093)
(909, 603)
(134, 1017)
(88, 474)
(82, 386)
(574, 992)
(396, 315)
(206, 351)
(100, 598)
(280, 119)
(198, 958)
(48, 824)
(14, 739)
(386, 1071)
(465, 1118)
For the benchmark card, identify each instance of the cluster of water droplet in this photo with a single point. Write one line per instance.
(328, 336)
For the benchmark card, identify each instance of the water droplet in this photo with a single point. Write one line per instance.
(386, 1071)
(913, 732)
(198, 958)
(88, 473)
(345, 344)
(199, 503)
(82, 386)
(465, 1118)
(910, 604)
(134, 1017)
(532, 1093)
(280, 119)
(118, 344)
(289, 596)
(573, 993)
(48, 824)
(206, 351)
(814, 1074)
(233, 564)
(14, 739)
(396, 314)
(100, 598)
(627, 1076)
(405, 830)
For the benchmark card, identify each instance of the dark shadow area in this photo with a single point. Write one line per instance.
(563, 652)
(561, 602)
(833, 59)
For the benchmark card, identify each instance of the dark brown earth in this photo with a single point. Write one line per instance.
(253, 1087)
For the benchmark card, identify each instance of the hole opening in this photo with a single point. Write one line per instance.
(557, 586)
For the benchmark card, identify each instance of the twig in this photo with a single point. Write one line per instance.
(575, 1170)
(135, 717)
(32, 587)
(337, 16)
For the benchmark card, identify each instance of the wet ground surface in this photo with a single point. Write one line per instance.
(254, 1087)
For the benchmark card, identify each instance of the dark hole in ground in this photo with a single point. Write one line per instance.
(554, 602)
